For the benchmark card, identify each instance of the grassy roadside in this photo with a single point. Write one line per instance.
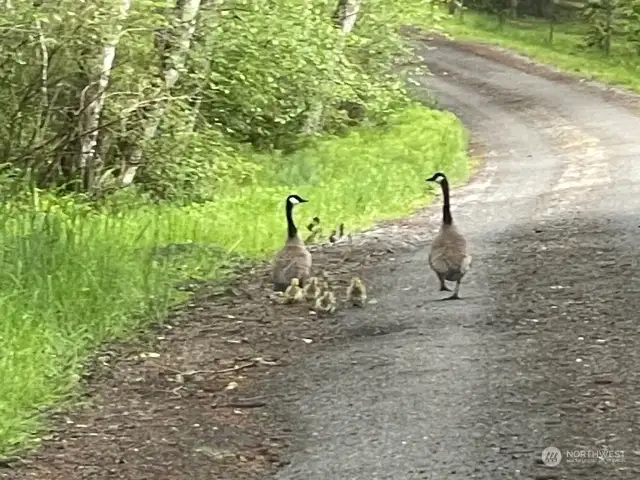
(530, 37)
(72, 278)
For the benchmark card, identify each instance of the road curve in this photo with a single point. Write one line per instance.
(544, 349)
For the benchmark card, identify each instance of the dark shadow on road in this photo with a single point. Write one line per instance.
(566, 297)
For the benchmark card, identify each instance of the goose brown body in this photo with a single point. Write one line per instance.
(294, 259)
(449, 256)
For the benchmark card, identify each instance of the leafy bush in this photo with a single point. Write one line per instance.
(182, 95)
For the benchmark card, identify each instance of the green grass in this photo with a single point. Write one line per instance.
(73, 278)
(530, 37)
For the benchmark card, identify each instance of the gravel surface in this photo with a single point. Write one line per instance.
(541, 351)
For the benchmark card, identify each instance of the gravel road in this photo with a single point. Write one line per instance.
(544, 348)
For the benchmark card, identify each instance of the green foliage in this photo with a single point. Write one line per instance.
(203, 163)
(259, 69)
(604, 20)
(264, 62)
(607, 19)
(630, 14)
(530, 37)
(75, 275)
(253, 72)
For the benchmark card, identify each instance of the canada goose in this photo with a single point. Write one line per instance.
(315, 221)
(314, 228)
(326, 303)
(293, 293)
(337, 234)
(357, 292)
(294, 260)
(448, 257)
(312, 289)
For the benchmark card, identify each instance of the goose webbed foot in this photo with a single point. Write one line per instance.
(452, 297)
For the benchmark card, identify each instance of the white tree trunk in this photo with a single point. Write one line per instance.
(90, 120)
(195, 110)
(185, 27)
(348, 21)
(44, 79)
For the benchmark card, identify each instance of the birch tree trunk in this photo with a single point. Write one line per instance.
(513, 8)
(44, 82)
(90, 119)
(196, 99)
(195, 110)
(177, 50)
(345, 18)
(349, 16)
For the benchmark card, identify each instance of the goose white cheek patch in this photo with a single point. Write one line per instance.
(294, 200)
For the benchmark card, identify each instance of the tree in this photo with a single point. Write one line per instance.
(94, 96)
(344, 17)
(167, 96)
(630, 20)
(175, 51)
(347, 14)
(603, 18)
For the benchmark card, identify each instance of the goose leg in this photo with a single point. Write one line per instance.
(455, 295)
(443, 287)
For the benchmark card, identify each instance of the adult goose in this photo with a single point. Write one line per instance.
(449, 256)
(293, 260)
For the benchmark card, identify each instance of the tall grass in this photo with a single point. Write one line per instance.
(72, 278)
(530, 37)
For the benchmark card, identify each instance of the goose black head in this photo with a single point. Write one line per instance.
(295, 199)
(437, 177)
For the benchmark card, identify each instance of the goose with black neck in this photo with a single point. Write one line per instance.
(294, 259)
(449, 256)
